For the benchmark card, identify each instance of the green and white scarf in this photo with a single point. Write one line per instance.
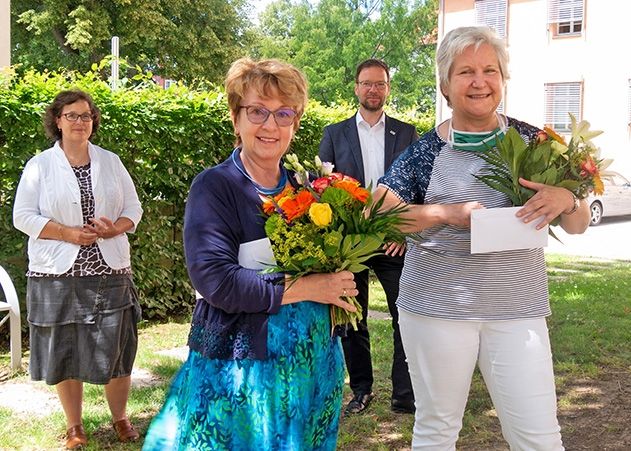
(476, 141)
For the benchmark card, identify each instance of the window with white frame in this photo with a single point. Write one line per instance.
(492, 13)
(168, 83)
(566, 17)
(561, 99)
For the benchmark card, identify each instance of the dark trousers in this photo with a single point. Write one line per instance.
(357, 343)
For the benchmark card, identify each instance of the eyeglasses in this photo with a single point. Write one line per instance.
(74, 117)
(284, 117)
(368, 85)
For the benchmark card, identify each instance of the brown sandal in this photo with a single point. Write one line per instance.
(126, 431)
(75, 437)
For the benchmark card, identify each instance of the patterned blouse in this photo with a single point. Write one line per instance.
(89, 261)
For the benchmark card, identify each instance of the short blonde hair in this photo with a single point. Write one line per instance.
(457, 40)
(267, 77)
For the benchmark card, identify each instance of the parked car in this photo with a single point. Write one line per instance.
(616, 200)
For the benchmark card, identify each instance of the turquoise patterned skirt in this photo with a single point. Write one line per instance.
(291, 401)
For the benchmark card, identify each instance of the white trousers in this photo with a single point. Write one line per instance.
(515, 360)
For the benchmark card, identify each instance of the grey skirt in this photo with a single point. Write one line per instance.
(82, 328)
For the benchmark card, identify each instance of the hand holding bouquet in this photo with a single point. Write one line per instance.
(546, 159)
(329, 224)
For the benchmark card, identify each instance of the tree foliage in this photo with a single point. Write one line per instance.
(329, 38)
(177, 39)
(188, 40)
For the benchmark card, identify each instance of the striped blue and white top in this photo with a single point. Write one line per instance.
(441, 278)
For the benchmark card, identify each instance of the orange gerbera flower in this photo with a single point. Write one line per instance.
(298, 206)
(353, 188)
(554, 135)
(269, 204)
(361, 194)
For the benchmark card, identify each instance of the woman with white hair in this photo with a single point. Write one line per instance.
(459, 309)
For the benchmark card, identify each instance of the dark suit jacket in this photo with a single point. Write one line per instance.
(340, 145)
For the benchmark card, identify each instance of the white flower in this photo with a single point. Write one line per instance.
(327, 168)
(581, 131)
(302, 177)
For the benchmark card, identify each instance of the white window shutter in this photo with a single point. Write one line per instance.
(561, 99)
(492, 13)
(560, 11)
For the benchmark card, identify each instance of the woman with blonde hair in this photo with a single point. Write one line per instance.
(263, 370)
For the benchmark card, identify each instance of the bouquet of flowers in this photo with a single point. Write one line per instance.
(546, 159)
(328, 224)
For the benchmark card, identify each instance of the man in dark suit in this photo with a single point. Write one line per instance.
(364, 146)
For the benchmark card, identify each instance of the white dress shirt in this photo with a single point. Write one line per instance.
(372, 142)
(48, 190)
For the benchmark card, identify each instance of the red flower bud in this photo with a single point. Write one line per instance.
(320, 184)
(589, 166)
(541, 137)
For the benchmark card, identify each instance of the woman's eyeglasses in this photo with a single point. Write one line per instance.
(74, 117)
(284, 117)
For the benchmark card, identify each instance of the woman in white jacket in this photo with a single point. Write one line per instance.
(77, 202)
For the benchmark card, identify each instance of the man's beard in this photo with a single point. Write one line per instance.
(370, 107)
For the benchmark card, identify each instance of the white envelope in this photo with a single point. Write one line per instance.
(256, 254)
(498, 229)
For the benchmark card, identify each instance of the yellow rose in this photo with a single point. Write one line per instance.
(320, 214)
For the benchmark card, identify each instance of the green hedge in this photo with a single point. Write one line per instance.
(164, 138)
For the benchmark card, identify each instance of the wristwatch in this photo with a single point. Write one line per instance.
(577, 204)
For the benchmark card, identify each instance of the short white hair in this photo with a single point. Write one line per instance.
(457, 40)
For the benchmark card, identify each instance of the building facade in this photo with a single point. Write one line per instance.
(5, 33)
(565, 56)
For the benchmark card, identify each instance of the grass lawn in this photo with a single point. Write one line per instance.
(591, 339)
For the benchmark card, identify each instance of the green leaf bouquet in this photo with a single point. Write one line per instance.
(327, 224)
(546, 159)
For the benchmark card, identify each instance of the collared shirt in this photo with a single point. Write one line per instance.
(372, 142)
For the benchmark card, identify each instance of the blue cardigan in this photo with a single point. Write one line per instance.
(223, 211)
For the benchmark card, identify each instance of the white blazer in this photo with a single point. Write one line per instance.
(48, 190)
